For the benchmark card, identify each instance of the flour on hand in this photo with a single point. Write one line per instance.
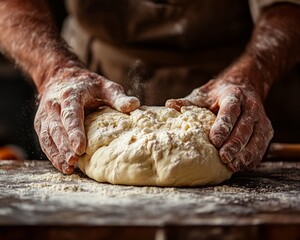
(155, 146)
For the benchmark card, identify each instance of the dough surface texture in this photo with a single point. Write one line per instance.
(154, 146)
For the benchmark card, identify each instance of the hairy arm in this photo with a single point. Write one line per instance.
(66, 88)
(274, 47)
(29, 37)
(242, 131)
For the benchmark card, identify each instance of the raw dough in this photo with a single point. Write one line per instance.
(155, 146)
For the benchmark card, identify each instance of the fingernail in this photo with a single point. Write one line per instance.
(169, 103)
(217, 140)
(226, 155)
(127, 104)
(71, 158)
(78, 147)
(67, 169)
(173, 103)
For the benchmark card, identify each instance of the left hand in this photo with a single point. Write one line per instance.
(65, 99)
(242, 130)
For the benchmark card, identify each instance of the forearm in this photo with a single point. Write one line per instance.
(29, 37)
(242, 130)
(274, 49)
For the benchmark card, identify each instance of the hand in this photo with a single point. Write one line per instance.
(59, 121)
(242, 131)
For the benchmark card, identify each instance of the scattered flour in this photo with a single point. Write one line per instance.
(30, 191)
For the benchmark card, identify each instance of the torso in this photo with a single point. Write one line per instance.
(161, 49)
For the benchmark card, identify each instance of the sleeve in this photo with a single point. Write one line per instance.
(257, 5)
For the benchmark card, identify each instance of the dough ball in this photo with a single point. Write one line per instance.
(154, 146)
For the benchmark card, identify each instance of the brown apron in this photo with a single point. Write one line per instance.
(158, 49)
(161, 49)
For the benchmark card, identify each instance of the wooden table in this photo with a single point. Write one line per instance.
(37, 202)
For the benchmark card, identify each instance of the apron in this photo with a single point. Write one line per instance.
(158, 49)
(162, 49)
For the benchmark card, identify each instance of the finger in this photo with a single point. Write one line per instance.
(199, 98)
(177, 104)
(56, 159)
(253, 152)
(59, 136)
(124, 103)
(44, 137)
(267, 136)
(72, 117)
(114, 95)
(37, 122)
(51, 151)
(238, 139)
(230, 108)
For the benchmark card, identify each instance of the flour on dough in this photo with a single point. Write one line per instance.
(155, 146)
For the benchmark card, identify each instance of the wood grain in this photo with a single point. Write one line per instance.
(35, 198)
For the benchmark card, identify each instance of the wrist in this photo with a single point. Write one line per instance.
(56, 71)
(249, 72)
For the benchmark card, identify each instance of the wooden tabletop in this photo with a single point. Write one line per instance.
(39, 202)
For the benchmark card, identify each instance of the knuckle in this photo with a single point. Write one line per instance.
(235, 144)
(233, 104)
(75, 135)
(68, 115)
(247, 121)
(237, 91)
(48, 103)
(56, 157)
(55, 160)
(254, 106)
(225, 119)
(67, 92)
(198, 97)
(270, 128)
(261, 138)
(267, 128)
(196, 92)
(51, 104)
(223, 125)
(71, 123)
(54, 128)
(114, 86)
(37, 124)
(270, 133)
(233, 91)
(244, 129)
(93, 75)
(235, 108)
(45, 139)
(258, 140)
(232, 99)
(227, 153)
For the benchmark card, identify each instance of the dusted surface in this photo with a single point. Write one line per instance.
(34, 193)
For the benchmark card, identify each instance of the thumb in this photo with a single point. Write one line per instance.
(196, 97)
(177, 104)
(124, 103)
(115, 97)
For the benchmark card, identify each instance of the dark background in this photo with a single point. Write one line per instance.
(17, 100)
(17, 103)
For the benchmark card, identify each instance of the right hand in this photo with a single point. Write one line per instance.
(242, 130)
(59, 121)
